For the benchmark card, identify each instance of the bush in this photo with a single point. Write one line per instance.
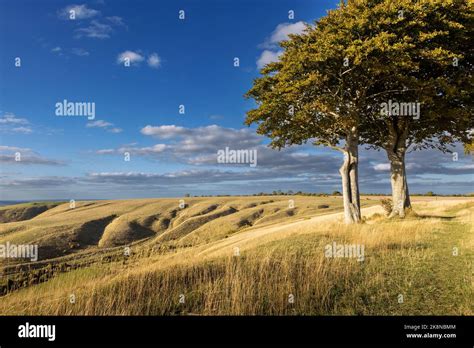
(387, 205)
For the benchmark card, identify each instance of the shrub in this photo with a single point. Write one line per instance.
(387, 205)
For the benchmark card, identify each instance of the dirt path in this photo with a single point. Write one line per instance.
(243, 239)
(262, 234)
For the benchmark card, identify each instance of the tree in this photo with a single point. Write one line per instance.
(331, 82)
(428, 51)
(309, 95)
(418, 54)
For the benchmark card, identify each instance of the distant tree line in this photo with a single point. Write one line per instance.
(324, 194)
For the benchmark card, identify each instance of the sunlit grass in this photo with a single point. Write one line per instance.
(283, 273)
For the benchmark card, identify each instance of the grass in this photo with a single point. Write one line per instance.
(24, 211)
(411, 257)
(61, 231)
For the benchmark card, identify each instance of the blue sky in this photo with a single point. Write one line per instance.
(173, 62)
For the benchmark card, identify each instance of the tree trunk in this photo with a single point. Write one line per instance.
(396, 150)
(350, 183)
(398, 179)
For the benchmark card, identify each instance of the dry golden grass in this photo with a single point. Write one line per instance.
(95, 225)
(277, 263)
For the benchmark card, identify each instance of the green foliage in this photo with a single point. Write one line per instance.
(428, 58)
(403, 50)
(469, 148)
(309, 93)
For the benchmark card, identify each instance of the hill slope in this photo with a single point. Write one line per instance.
(246, 255)
(61, 230)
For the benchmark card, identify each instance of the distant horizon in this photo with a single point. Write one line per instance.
(315, 194)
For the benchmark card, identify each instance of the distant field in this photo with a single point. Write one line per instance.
(237, 255)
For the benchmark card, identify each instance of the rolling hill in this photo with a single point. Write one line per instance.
(238, 255)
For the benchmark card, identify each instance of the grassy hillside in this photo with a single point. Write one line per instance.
(24, 211)
(241, 255)
(97, 225)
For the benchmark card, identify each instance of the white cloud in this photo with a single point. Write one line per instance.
(9, 118)
(204, 138)
(149, 150)
(9, 123)
(157, 148)
(24, 130)
(105, 151)
(98, 124)
(109, 127)
(96, 30)
(115, 20)
(80, 12)
(29, 160)
(267, 57)
(56, 49)
(154, 60)
(467, 166)
(8, 155)
(283, 30)
(164, 132)
(6, 148)
(281, 33)
(133, 57)
(186, 142)
(382, 167)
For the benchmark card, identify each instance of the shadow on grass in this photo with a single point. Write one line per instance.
(423, 216)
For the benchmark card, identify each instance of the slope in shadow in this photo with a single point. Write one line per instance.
(249, 220)
(90, 232)
(193, 223)
(22, 213)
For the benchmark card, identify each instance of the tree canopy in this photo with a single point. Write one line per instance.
(331, 81)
